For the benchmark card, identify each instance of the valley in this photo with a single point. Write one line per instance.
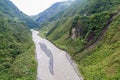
(70, 40)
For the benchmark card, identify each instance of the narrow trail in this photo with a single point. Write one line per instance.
(53, 63)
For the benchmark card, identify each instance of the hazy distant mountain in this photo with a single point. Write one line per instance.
(52, 13)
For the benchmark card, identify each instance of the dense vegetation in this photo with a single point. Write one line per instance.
(95, 51)
(15, 46)
(17, 61)
(103, 61)
(7, 9)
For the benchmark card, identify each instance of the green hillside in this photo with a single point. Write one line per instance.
(102, 62)
(17, 61)
(15, 46)
(95, 47)
(8, 9)
(51, 14)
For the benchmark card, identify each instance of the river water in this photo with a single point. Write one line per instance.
(53, 63)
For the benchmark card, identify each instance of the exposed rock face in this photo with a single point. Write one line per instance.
(74, 33)
(80, 32)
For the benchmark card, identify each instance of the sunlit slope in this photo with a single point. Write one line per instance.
(94, 22)
(102, 62)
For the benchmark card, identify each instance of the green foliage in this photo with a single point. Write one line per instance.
(8, 9)
(75, 21)
(92, 16)
(93, 24)
(103, 62)
(15, 46)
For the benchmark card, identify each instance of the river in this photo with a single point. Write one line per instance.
(53, 63)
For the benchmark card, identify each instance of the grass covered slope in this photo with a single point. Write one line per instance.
(91, 19)
(103, 61)
(8, 9)
(17, 60)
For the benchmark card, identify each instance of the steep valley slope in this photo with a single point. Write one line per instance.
(17, 60)
(89, 31)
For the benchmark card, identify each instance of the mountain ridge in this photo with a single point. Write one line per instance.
(8, 9)
(52, 13)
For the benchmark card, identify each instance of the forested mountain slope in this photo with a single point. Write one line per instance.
(17, 60)
(53, 13)
(89, 31)
(8, 9)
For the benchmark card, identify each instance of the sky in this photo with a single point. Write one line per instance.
(33, 7)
